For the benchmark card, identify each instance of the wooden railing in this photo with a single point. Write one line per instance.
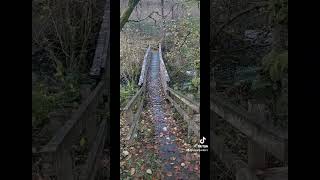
(57, 160)
(134, 107)
(262, 138)
(189, 110)
(163, 72)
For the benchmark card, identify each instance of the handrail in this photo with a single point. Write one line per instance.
(274, 142)
(137, 100)
(100, 56)
(194, 106)
(191, 118)
(75, 122)
(133, 99)
(163, 65)
(143, 74)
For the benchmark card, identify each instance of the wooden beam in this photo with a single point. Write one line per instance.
(144, 67)
(273, 142)
(100, 55)
(133, 99)
(185, 100)
(163, 65)
(136, 118)
(256, 154)
(72, 127)
(96, 150)
(232, 161)
(178, 108)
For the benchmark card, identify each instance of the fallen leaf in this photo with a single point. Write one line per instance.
(132, 171)
(126, 153)
(149, 171)
(169, 174)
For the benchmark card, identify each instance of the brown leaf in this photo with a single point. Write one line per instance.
(132, 171)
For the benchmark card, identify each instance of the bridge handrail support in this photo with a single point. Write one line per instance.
(61, 143)
(163, 72)
(273, 141)
(99, 59)
(185, 100)
(132, 118)
(187, 116)
(142, 78)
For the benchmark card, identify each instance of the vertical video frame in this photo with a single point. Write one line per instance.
(249, 89)
(159, 89)
(70, 89)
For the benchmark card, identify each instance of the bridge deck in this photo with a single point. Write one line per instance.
(170, 151)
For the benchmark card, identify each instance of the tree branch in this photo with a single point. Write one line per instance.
(235, 17)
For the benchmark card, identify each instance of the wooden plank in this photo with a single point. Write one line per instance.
(178, 108)
(63, 165)
(136, 118)
(107, 42)
(256, 154)
(133, 99)
(72, 127)
(232, 161)
(185, 100)
(96, 149)
(103, 40)
(162, 64)
(276, 144)
(144, 67)
(191, 124)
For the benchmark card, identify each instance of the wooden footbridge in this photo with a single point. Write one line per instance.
(186, 108)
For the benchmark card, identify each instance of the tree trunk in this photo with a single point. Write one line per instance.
(127, 12)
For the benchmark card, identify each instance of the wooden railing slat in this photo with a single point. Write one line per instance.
(144, 66)
(72, 126)
(185, 100)
(275, 144)
(90, 167)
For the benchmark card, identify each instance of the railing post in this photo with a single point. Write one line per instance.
(256, 154)
(64, 165)
(91, 127)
